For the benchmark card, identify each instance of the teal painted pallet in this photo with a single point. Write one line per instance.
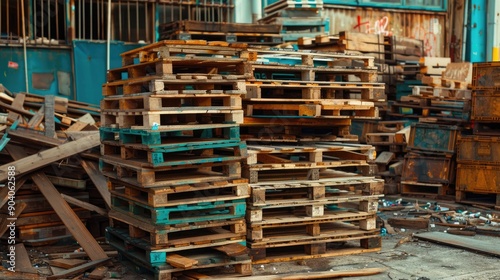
(158, 137)
(119, 239)
(176, 236)
(178, 195)
(181, 214)
(178, 154)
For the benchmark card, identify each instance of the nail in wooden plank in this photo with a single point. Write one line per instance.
(29, 163)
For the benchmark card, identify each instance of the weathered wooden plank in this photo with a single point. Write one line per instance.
(66, 263)
(85, 205)
(50, 125)
(4, 224)
(43, 158)
(17, 103)
(63, 210)
(98, 179)
(23, 263)
(4, 192)
(37, 119)
(179, 261)
(335, 274)
(466, 243)
(98, 273)
(232, 250)
(415, 223)
(78, 269)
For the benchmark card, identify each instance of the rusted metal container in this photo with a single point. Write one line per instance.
(428, 169)
(432, 137)
(486, 105)
(478, 178)
(486, 75)
(478, 149)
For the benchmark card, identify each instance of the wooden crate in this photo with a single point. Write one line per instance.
(478, 178)
(428, 169)
(485, 106)
(431, 137)
(486, 75)
(478, 149)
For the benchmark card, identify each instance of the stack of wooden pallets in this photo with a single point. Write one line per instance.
(298, 18)
(478, 168)
(306, 201)
(172, 153)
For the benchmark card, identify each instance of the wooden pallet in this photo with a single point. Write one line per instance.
(177, 152)
(308, 230)
(212, 67)
(146, 120)
(180, 236)
(159, 258)
(275, 211)
(172, 48)
(341, 241)
(160, 102)
(182, 194)
(181, 214)
(329, 190)
(291, 89)
(316, 108)
(187, 133)
(315, 123)
(138, 175)
(177, 84)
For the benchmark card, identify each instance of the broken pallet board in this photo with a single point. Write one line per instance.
(466, 243)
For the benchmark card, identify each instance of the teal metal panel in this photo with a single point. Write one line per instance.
(90, 66)
(40, 60)
(476, 31)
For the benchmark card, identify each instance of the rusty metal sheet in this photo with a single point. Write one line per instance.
(467, 243)
(429, 27)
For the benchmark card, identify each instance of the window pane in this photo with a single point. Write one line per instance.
(435, 3)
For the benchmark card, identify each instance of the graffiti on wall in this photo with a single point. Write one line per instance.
(428, 31)
(379, 26)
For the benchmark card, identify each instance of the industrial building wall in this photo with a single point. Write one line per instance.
(426, 26)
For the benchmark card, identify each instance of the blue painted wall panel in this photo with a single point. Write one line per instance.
(40, 60)
(90, 67)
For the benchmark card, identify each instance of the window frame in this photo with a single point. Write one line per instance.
(401, 5)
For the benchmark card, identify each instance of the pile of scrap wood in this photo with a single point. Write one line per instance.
(443, 78)
(44, 143)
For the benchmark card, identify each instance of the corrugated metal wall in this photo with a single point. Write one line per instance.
(429, 27)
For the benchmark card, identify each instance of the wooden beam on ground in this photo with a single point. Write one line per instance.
(17, 110)
(29, 163)
(63, 210)
(462, 242)
(85, 205)
(98, 179)
(335, 274)
(50, 125)
(78, 269)
(23, 263)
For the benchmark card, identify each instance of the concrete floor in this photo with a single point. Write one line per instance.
(412, 260)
